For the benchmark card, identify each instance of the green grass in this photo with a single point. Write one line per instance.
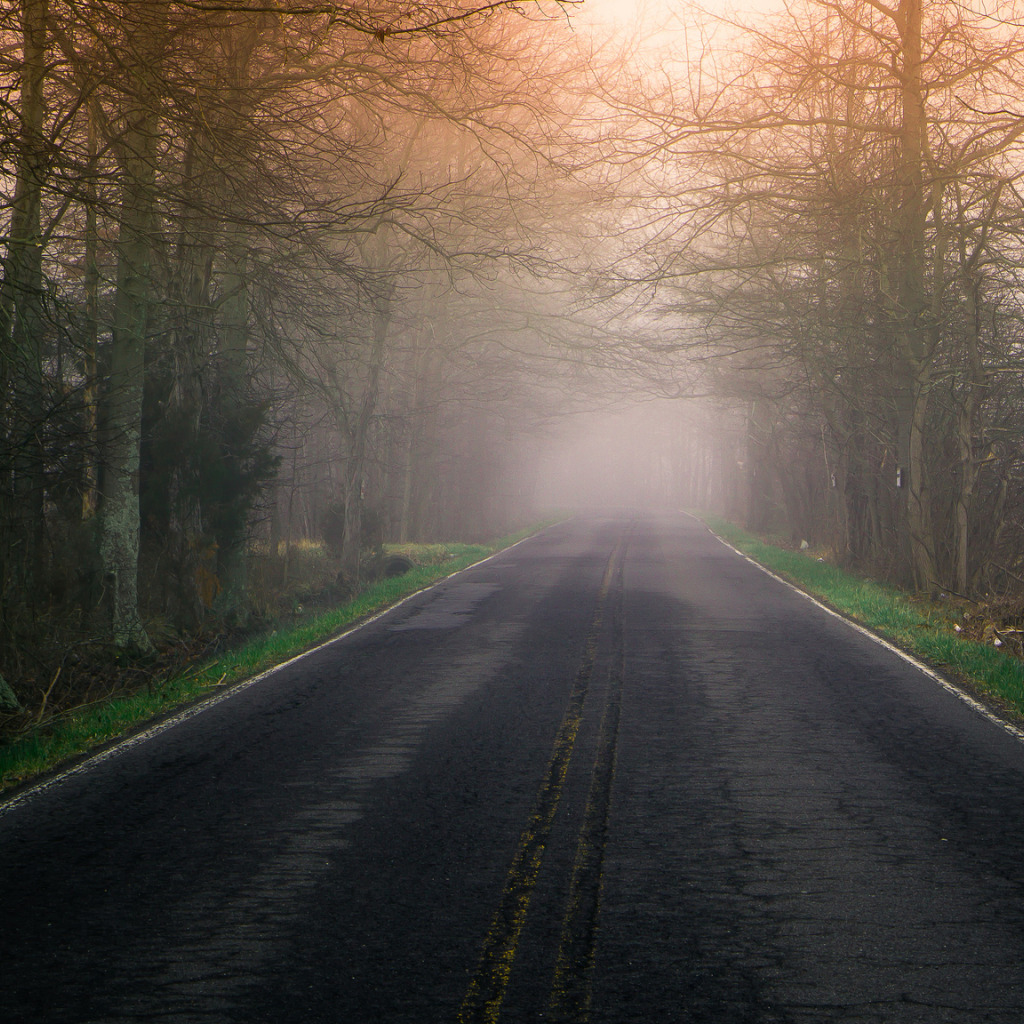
(924, 629)
(85, 728)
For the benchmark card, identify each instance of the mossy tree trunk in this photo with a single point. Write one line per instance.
(121, 432)
(122, 413)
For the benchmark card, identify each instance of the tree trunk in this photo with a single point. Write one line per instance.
(974, 385)
(21, 307)
(122, 419)
(356, 471)
(191, 551)
(90, 341)
(966, 422)
(759, 486)
(912, 327)
(922, 533)
(232, 556)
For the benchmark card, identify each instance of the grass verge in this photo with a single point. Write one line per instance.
(923, 628)
(84, 728)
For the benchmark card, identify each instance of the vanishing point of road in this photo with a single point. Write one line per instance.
(615, 774)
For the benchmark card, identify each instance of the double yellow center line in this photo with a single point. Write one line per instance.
(570, 991)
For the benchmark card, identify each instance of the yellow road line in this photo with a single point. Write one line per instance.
(571, 988)
(482, 1003)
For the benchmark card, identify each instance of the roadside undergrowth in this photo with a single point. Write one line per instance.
(44, 744)
(943, 634)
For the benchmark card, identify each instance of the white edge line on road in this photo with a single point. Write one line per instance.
(176, 718)
(976, 705)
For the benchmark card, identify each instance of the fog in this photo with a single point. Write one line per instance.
(388, 275)
(612, 458)
(639, 454)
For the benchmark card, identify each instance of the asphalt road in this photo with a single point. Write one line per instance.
(616, 774)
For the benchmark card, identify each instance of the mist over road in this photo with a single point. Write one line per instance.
(614, 774)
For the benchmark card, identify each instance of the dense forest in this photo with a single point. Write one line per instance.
(289, 271)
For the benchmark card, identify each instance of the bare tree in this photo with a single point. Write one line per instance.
(820, 249)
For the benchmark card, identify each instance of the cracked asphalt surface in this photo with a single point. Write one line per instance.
(616, 774)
